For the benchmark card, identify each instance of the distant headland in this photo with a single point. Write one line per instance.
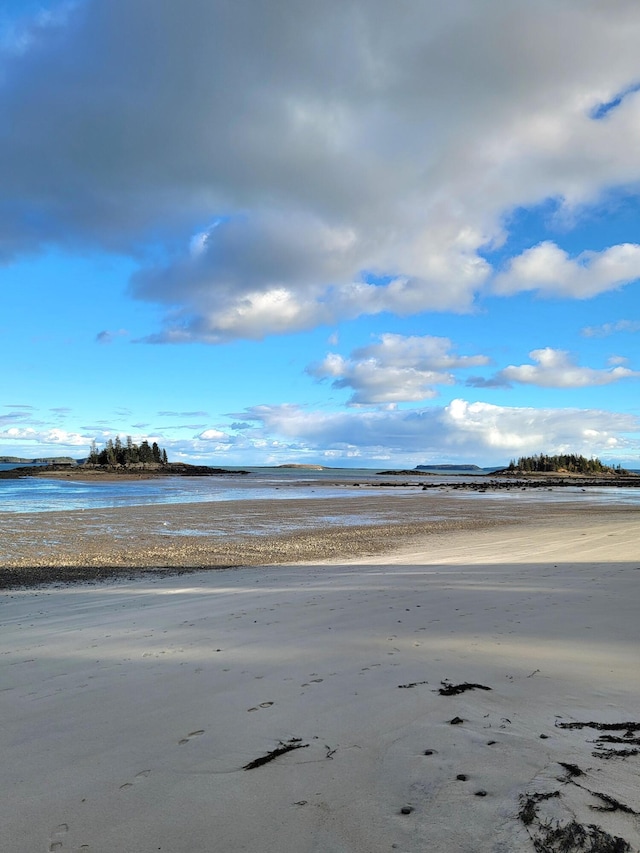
(448, 468)
(43, 460)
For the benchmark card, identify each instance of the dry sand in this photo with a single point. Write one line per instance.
(130, 708)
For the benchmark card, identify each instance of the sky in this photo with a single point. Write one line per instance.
(349, 233)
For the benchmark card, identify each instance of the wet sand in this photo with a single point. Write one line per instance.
(90, 544)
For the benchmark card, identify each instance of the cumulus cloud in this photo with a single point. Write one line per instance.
(214, 435)
(555, 369)
(463, 430)
(47, 437)
(397, 369)
(272, 273)
(315, 161)
(550, 271)
(607, 329)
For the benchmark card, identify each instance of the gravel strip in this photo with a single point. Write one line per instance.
(45, 548)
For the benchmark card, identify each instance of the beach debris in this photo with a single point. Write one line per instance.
(528, 811)
(626, 739)
(411, 684)
(454, 689)
(574, 837)
(406, 809)
(289, 746)
(603, 727)
(456, 721)
(611, 804)
(629, 729)
(572, 769)
(614, 753)
(481, 793)
(550, 835)
(462, 777)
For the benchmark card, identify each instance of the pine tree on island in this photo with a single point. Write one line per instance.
(567, 463)
(116, 454)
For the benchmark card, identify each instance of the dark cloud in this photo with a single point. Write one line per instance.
(277, 153)
(491, 382)
(15, 417)
(107, 337)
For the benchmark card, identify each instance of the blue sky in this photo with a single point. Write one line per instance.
(361, 234)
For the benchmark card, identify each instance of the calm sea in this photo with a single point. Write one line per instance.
(39, 494)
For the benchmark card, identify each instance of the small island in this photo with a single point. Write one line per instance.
(564, 463)
(116, 460)
(115, 453)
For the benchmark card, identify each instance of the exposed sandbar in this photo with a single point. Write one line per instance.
(90, 544)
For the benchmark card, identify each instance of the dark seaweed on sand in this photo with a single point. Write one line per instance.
(454, 689)
(575, 837)
(528, 811)
(294, 743)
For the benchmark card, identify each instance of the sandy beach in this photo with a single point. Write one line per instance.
(471, 684)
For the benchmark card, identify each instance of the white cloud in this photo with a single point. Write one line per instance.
(214, 435)
(52, 438)
(555, 369)
(607, 329)
(461, 431)
(325, 141)
(550, 271)
(475, 432)
(397, 369)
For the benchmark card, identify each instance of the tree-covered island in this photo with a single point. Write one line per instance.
(564, 463)
(125, 460)
(126, 454)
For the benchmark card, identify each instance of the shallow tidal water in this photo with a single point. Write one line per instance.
(42, 495)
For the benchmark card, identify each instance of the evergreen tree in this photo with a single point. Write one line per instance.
(115, 453)
(93, 453)
(145, 452)
(570, 462)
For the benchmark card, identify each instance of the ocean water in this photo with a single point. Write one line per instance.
(41, 494)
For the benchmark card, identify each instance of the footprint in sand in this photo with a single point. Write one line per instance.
(261, 705)
(141, 775)
(190, 735)
(56, 836)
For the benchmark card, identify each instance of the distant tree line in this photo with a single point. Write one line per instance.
(571, 462)
(116, 452)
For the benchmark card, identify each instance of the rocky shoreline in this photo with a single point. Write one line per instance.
(143, 471)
